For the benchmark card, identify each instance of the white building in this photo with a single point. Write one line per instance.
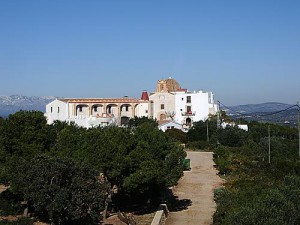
(163, 105)
(172, 103)
(232, 124)
(169, 103)
(193, 106)
(91, 112)
(170, 125)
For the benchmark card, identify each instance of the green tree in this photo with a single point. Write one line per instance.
(177, 135)
(198, 132)
(136, 121)
(25, 133)
(22, 136)
(60, 190)
(232, 136)
(155, 163)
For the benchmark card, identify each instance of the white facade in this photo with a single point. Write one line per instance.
(163, 105)
(56, 110)
(144, 109)
(169, 102)
(193, 106)
(97, 112)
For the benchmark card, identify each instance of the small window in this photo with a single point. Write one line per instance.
(95, 109)
(162, 106)
(51, 109)
(57, 109)
(80, 108)
(172, 127)
(188, 99)
(182, 99)
(168, 127)
(126, 108)
(146, 111)
(189, 109)
(181, 110)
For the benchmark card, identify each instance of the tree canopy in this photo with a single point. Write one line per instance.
(53, 166)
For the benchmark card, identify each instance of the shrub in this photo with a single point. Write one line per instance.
(59, 189)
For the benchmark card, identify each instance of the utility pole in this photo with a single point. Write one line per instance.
(298, 126)
(218, 122)
(207, 130)
(269, 144)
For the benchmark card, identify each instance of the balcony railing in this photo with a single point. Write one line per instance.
(188, 113)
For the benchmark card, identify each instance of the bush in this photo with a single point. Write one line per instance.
(177, 135)
(10, 204)
(60, 190)
(232, 136)
(200, 145)
(22, 221)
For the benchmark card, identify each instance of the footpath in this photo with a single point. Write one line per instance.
(195, 192)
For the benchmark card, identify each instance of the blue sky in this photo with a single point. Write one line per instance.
(243, 51)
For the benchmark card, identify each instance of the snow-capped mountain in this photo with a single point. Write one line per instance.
(13, 103)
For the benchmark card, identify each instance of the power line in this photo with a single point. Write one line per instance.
(258, 115)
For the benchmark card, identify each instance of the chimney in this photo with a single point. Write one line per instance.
(145, 96)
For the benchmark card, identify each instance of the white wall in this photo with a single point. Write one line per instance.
(56, 110)
(160, 98)
(143, 109)
(199, 106)
(170, 125)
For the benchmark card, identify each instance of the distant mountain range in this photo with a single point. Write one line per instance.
(13, 103)
(265, 112)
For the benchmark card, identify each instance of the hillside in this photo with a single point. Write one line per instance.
(13, 103)
(261, 112)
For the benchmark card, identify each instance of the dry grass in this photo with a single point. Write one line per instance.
(144, 219)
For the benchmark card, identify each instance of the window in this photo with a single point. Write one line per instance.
(181, 110)
(182, 99)
(162, 106)
(172, 127)
(57, 109)
(126, 108)
(188, 99)
(146, 111)
(80, 109)
(51, 109)
(189, 109)
(95, 109)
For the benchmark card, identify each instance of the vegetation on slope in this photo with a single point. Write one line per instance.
(54, 167)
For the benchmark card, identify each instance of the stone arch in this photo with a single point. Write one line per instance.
(162, 116)
(96, 109)
(82, 110)
(112, 109)
(125, 107)
(188, 121)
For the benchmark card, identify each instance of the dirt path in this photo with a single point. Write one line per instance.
(195, 189)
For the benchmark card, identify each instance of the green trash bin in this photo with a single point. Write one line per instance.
(187, 164)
